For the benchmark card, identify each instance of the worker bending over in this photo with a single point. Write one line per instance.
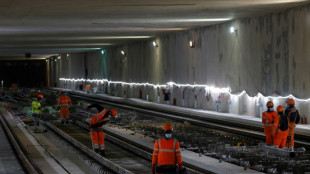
(97, 121)
(64, 102)
(268, 118)
(167, 153)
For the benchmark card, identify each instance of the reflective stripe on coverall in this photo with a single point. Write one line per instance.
(167, 152)
(64, 102)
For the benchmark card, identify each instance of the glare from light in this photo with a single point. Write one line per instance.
(155, 44)
(191, 44)
(68, 55)
(59, 57)
(232, 29)
(102, 52)
(46, 60)
(122, 52)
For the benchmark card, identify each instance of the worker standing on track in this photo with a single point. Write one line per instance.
(36, 112)
(64, 102)
(282, 128)
(97, 121)
(167, 154)
(293, 118)
(268, 118)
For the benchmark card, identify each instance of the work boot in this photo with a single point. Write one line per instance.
(62, 121)
(102, 152)
(67, 121)
(97, 150)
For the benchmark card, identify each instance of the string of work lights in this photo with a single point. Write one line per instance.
(209, 89)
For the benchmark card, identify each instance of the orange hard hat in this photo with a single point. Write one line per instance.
(290, 101)
(280, 108)
(40, 96)
(269, 104)
(167, 126)
(113, 112)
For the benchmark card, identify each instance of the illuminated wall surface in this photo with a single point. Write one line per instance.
(267, 55)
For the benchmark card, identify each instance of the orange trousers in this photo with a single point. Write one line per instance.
(291, 142)
(64, 112)
(268, 132)
(280, 139)
(98, 139)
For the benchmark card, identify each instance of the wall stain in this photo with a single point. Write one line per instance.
(278, 78)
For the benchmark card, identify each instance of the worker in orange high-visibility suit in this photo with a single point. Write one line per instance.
(97, 121)
(293, 118)
(64, 102)
(268, 118)
(166, 153)
(282, 128)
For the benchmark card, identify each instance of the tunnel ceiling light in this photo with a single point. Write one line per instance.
(102, 52)
(123, 52)
(59, 57)
(191, 44)
(155, 44)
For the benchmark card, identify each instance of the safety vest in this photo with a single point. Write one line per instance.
(35, 107)
(166, 152)
(268, 119)
(64, 101)
(99, 117)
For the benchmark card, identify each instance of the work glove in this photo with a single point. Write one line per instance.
(153, 169)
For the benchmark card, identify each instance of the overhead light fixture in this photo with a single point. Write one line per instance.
(45, 60)
(122, 52)
(68, 55)
(155, 44)
(102, 52)
(59, 57)
(191, 44)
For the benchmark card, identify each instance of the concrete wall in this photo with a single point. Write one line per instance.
(267, 54)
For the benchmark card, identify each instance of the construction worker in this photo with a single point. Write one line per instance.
(282, 128)
(97, 121)
(166, 153)
(268, 118)
(293, 118)
(36, 112)
(64, 103)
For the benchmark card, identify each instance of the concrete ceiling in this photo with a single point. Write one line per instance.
(47, 27)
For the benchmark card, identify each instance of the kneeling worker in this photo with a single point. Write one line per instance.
(97, 121)
(166, 153)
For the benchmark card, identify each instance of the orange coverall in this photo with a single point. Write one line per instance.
(167, 152)
(269, 126)
(64, 102)
(281, 136)
(97, 134)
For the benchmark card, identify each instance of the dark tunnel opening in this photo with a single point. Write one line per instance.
(24, 73)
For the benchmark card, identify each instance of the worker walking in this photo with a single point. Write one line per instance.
(293, 118)
(97, 121)
(282, 128)
(64, 102)
(166, 153)
(268, 118)
(36, 112)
